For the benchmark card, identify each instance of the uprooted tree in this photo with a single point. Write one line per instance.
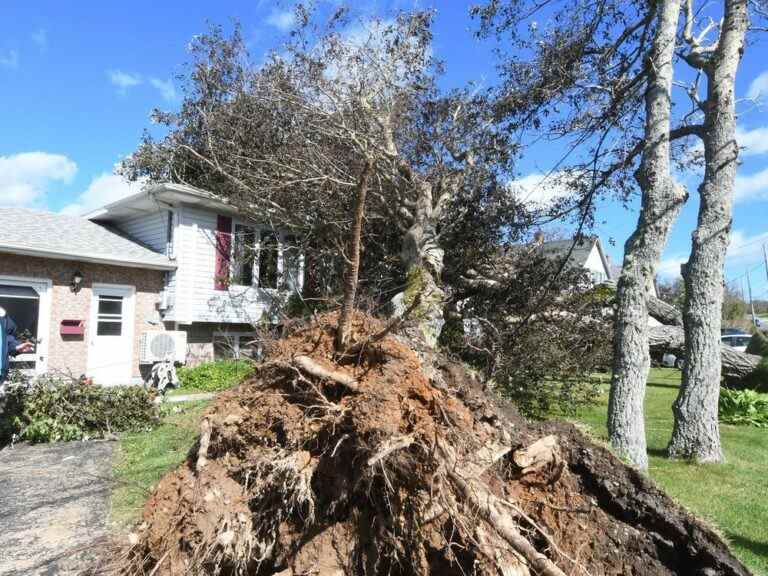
(294, 141)
(399, 464)
(289, 142)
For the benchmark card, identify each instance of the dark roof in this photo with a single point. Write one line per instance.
(559, 248)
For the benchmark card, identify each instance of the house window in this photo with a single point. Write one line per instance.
(242, 255)
(237, 345)
(265, 259)
(268, 259)
(109, 320)
(169, 234)
(291, 264)
(598, 276)
(21, 303)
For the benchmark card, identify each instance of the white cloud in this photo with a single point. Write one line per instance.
(9, 59)
(670, 267)
(283, 20)
(103, 189)
(751, 187)
(742, 249)
(753, 141)
(25, 177)
(539, 188)
(40, 38)
(745, 248)
(758, 88)
(123, 80)
(166, 89)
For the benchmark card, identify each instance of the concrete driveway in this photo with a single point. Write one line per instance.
(54, 506)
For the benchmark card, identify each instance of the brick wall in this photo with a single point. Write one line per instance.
(70, 353)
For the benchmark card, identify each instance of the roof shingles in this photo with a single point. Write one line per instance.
(25, 231)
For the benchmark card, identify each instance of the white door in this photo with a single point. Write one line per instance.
(110, 352)
(27, 301)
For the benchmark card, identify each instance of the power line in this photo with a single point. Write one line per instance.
(750, 243)
(755, 267)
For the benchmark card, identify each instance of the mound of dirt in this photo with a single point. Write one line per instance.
(382, 463)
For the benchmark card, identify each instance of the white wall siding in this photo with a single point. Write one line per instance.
(197, 300)
(594, 264)
(149, 229)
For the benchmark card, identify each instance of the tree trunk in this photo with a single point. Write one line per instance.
(423, 261)
(696, 432)
(735, 366)
(665, 313)
(344, 331)
(662, 199)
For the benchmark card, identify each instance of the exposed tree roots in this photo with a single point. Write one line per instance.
(375, 468)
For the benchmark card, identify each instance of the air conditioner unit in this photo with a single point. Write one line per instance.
(157, 346)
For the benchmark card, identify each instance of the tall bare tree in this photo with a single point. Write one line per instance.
(662, 199)
(696, 432)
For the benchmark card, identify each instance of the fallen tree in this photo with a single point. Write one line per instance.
(414, 471)
(735, 365)
(670, 337)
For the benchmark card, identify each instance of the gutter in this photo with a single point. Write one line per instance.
(91, 258)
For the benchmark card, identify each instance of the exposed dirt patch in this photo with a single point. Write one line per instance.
(417, 471)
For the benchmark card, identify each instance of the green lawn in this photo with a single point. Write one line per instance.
(143, 458)
(732, 496)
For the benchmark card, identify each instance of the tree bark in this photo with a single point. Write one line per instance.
(696, 433)
(662, 199)
(422, 258)
(665, 313)
(344, 331)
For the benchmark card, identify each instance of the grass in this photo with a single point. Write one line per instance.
(143, 458)
(184, 391)
(731, 496)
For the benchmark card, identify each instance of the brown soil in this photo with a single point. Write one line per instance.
(308, 477)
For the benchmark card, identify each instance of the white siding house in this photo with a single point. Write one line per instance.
(587, 253)
(210, 293)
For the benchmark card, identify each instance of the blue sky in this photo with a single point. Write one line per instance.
(78, 81)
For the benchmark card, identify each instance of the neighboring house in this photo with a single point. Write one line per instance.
(587, 254)
(228, 272)
(83, 292)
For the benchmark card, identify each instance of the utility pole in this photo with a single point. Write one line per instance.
(765, 259)
(751, 304)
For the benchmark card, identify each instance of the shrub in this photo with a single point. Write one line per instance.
(215, 376)
(51, 410)
(743, 407)
(757, 379)
(758, 344)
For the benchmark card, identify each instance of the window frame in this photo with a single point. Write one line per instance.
(44, 288)
(110, 317)
(281, 239)
(233, 268)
